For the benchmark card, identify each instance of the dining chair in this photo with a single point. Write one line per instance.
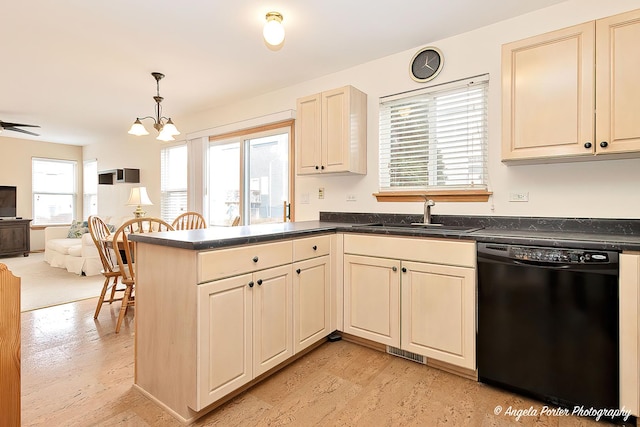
(236, 221)
(101, 236)
(125, 254)
(189, 221)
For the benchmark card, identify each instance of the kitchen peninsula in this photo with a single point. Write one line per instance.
(266, 294)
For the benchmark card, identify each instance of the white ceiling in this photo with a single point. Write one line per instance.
(81, 69)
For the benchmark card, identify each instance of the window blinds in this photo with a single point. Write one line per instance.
(435, 138)
(173, 182)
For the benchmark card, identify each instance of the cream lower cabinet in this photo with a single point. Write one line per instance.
(311, 290)
(225, 325)
(630, 332)
(438, 312)
(245, 329)
(311, 304)
(414, 294)
(372, 298)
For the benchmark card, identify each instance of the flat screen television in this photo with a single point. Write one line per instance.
(7, 201)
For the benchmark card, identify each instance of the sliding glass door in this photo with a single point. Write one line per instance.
(249, 178)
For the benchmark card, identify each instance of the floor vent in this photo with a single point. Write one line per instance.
(407, 355)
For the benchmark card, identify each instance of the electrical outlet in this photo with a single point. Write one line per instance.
(351, 197)
(321, 193)
(519, 196)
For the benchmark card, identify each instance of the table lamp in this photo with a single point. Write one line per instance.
(138, 197)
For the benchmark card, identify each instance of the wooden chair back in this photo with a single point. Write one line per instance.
(125, 252)
(236, 221)
(100, 235)
(189, 221)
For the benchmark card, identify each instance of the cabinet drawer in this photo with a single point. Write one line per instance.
(311, 247)
(221, 263)
(435, 251)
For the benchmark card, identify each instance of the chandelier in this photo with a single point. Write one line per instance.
(167, 130)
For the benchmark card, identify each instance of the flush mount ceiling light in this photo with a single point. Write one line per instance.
(163, 125)
(273, 31)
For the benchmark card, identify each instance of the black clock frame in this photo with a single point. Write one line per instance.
(419, 61)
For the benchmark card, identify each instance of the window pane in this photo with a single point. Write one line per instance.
(435, 139)
(224, 183)
(90, 189)
(54, 191)
(54, 176)
(268, 180)
(53, 208)
(173, 186)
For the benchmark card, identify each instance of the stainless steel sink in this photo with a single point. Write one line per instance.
(418, 225)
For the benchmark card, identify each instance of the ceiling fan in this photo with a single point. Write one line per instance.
(16, 127)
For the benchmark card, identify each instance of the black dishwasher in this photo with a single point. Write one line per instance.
(548, 323)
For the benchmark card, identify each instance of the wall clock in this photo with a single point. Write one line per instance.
(426, 64)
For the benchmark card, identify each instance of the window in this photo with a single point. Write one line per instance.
(90, 188)
(249, 176)
(173, 185)
(435, 139)
(54, 191)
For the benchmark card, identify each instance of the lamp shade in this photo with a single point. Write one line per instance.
(139, 197)
(138, 129)
(170, 128)
(165, 135)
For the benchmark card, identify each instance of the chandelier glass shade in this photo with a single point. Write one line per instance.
(165, 127)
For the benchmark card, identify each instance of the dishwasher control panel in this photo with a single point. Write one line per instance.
(565, 256)
(546, 255)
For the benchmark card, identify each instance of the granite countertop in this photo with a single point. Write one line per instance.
(596, 234)
(218, 237)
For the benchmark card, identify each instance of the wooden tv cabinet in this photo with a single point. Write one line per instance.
(15, 237)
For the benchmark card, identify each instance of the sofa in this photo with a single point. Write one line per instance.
(72, 247)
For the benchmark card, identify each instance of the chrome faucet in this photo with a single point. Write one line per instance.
(427, 210)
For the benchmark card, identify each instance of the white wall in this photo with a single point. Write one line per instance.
(15, 169)
(129, 152)
(605, 189)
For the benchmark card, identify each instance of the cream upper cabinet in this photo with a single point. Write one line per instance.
(572, 93)
(331, 132)
(548, 95)
(617, 87)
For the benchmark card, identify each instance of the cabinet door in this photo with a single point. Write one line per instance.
(372, 298)
(438, 312)
(224, 338)
(617, 88)
(548, 95)
(335, 130)
(272, 318)
(308, 134)
(310, 302)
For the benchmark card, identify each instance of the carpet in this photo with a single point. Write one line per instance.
(44, 286)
